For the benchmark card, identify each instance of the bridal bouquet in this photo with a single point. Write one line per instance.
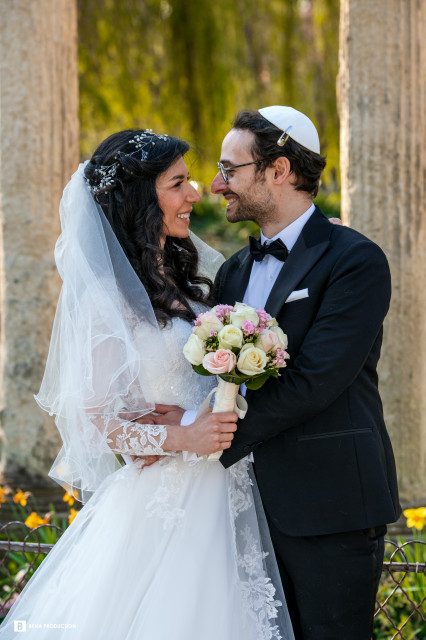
(239, 344)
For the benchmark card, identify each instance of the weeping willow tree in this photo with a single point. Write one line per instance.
(186, 67)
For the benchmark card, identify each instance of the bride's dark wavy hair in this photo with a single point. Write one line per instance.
(130, 203)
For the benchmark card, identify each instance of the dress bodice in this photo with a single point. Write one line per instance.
(174, 381)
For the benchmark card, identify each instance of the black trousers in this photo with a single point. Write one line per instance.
(331, 581)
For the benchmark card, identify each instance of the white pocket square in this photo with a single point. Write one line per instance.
(298, 295)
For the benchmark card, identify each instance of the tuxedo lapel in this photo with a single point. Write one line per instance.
(236, 284)
(310, 246)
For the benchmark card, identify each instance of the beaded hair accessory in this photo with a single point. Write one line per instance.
(106, 173)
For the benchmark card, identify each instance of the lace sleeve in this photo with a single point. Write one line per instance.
(134, 439)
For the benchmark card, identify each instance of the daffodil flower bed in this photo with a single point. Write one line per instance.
(17, 567)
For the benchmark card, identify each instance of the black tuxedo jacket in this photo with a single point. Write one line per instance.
(323, 458)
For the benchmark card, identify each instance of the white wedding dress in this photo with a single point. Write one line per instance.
(169, 552)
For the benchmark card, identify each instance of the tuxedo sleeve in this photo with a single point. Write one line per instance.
(348, 322)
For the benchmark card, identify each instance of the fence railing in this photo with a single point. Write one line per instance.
(401, 600)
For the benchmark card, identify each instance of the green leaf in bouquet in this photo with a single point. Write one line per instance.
(235, 378)
(198, 368)
(258, 381)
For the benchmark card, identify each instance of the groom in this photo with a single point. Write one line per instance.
(322, 455)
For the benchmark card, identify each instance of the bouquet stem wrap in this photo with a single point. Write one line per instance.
(226, 399)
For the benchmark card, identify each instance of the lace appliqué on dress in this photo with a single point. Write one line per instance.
(258, 592)
(139, 439)
(163, 503)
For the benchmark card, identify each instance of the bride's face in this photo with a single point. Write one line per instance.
(176, 196)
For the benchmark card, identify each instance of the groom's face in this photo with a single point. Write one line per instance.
(247, 191)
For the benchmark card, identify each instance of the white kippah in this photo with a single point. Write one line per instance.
(295, 124)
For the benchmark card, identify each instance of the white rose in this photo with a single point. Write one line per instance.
(242, 313)
(193, 350)
(230, 337)
(209, 322)
(252, 360)
(282, 337)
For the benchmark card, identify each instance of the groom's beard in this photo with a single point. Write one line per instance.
(258, 207)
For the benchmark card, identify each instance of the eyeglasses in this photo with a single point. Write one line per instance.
(225, 170)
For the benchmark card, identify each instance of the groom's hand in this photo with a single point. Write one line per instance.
(210, 433)
(168, 414)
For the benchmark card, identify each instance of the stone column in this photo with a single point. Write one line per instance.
(39, 151)
(382, 103)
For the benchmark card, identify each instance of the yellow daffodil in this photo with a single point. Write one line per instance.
(416, 517)
(20, 497)
(34, 520)
(2, 495)
(69, 499)
(72, 515)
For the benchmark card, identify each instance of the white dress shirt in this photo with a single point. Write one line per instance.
(264, 273)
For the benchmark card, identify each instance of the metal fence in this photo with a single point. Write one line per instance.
(401, 600)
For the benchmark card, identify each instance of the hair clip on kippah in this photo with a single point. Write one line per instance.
(284, 137)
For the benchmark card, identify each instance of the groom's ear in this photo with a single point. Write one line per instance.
(281, 170)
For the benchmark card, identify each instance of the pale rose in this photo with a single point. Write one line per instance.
(267, 340)
(220, 361)
(209, 323)
(251, 360)
(243, 313)
(193, 350)
(282, 337)
(230, 337)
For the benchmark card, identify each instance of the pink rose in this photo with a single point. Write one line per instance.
(220, 361)
(267, 340)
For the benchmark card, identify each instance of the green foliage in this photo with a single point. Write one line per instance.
(329, 203)
(186, 67)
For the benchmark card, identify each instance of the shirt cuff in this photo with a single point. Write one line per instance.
(188, 417)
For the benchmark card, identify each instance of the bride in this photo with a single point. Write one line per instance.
(172, 550)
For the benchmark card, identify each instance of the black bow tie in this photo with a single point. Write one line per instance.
(276, 248)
